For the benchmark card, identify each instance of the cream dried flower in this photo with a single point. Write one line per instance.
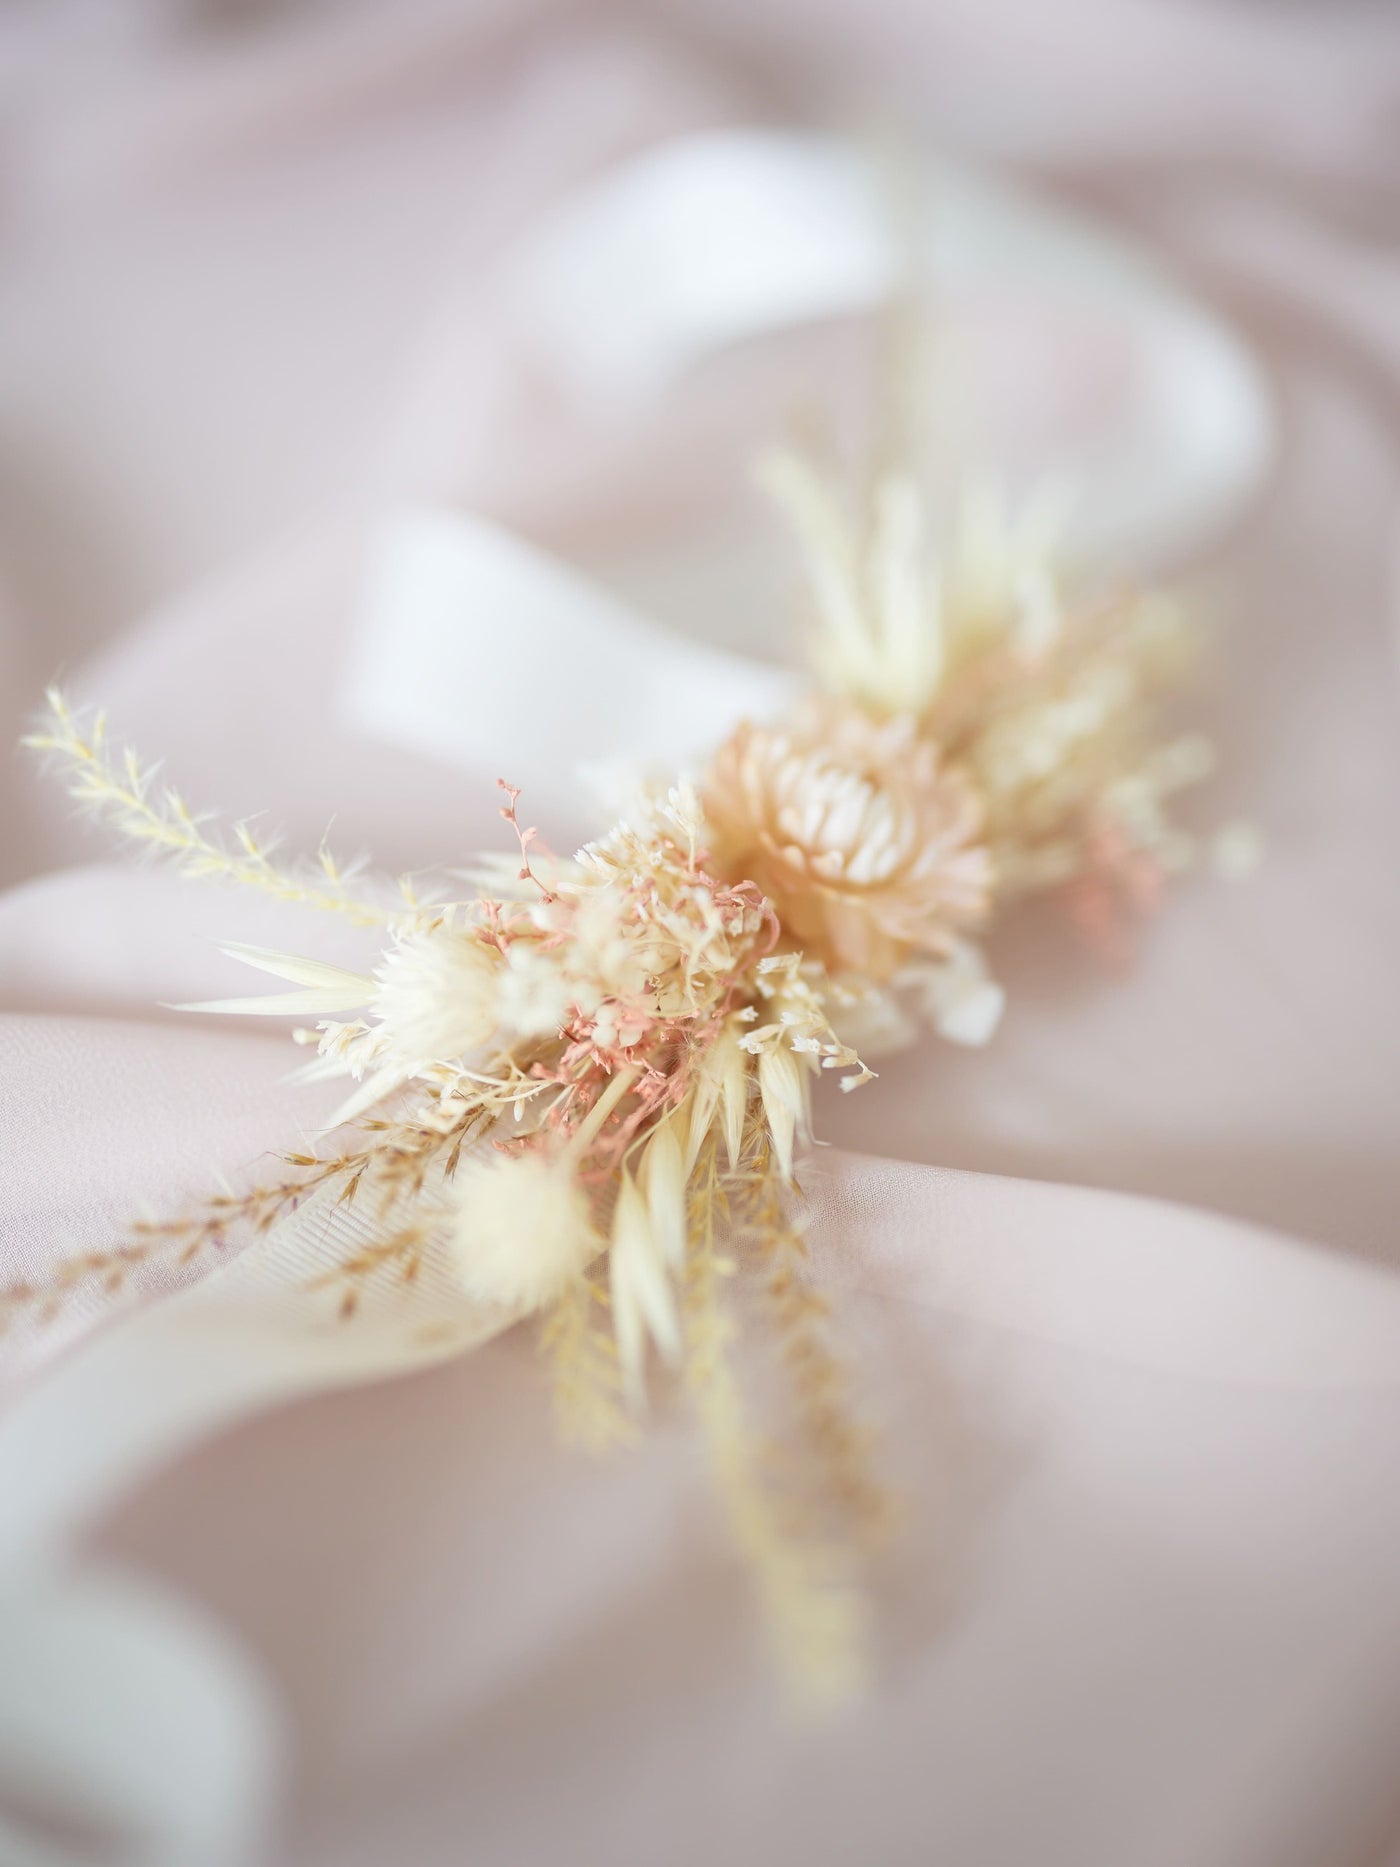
(433, 1002)
(523, 1229)
(437, 995)
(903, 602)
(791, 1039)
(865, 841)
(1064, 748)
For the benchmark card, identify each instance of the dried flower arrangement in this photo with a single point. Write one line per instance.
(588, 1084)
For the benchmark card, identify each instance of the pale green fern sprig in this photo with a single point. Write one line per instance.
(130, 797)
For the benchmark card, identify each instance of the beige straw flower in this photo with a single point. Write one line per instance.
(856, 830)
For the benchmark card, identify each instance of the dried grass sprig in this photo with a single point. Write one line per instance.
(401, 1252)
(576, 1339)
(176, 1241)
(392, 1161)
(839, 1443)
(131, 798)
(813, 1604)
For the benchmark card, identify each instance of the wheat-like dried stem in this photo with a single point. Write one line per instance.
(401, 1251)
(814, 1611)
(177, 1241)
(818, 1379)
(130, 797)
(394, 1161)
(578, 1341)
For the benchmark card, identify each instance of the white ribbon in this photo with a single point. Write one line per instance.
(121, 1708)
(475, 648)
(129, 1719)
(716, 238)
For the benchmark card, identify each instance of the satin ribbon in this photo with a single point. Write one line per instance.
(129, 1720)
(717, 238)
(469, 640)
(123, 1709)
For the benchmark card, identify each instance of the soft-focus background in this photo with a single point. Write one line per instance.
(246, 261)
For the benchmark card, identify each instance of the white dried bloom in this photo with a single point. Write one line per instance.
(959, 996)
(1061, 745)
(657, 937)
(791, 1046)
(796, 991)
(1000, 567)
(536, 994)
(522, 1231)
(437, 996)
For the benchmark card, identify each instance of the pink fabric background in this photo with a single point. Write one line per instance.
(1146, 1608)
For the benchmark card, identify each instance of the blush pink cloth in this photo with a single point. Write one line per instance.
(1123, 1284)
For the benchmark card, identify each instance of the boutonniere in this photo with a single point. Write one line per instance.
(587, 1083)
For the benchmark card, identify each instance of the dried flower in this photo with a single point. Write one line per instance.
(863, 838)
(437, 994)
(721, 1093)
(901, 608)
(1045, 706)
(522, 1229)
(958, 995)
(1061, 744)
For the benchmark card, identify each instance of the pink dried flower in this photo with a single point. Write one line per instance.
(862, 837)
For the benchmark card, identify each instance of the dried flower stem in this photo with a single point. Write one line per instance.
(129, 796)
(579, 1344)
(395, 1160)
(525, 837)
(819, 1381)
(815, 1614)
(402, 1251)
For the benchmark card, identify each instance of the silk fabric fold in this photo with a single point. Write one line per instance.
(1121, 1287)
